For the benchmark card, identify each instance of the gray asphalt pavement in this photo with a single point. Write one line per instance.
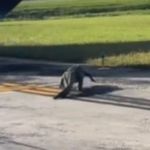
(112, 114)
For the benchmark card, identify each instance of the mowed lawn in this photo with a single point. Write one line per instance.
(49, 8)
(101, 4)
(124, 40)
(76, 30)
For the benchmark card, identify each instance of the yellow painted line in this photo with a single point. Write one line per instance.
(50, 89)
(15, 87)
(38, 92)
(38, 87)
(30, 88)
(4, 89)
(9, 84)
(33, 87)
(1, 86)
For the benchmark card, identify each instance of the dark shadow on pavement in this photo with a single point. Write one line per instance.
(4, 139)
(11, 66)
(98, 90)
(102, 95)
(26, 145)
(35, 69)
(78, 52)
(69, 53)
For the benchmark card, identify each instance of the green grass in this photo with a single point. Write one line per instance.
(76, 31)
(134, 59)
(48, 8)
(38, 4)
(119, 38)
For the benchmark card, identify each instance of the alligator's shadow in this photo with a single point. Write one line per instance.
(95, 90)
(103, 95)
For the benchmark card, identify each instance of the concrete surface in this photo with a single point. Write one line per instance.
(112, 114)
